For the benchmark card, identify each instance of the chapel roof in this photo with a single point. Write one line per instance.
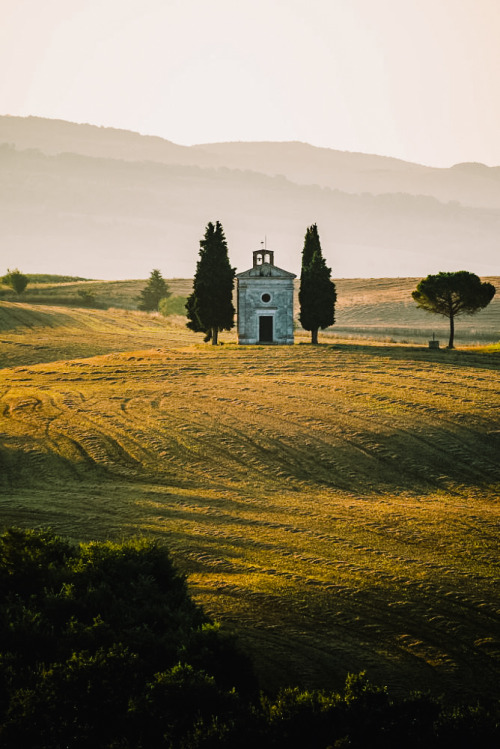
(266, 270)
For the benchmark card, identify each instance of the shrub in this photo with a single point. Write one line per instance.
(16, 280)
(87, 297)
(85, 630)
(175, 305)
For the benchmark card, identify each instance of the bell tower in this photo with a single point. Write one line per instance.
(261, 257)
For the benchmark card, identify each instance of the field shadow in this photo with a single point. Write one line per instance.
(15, 316)
(416, 459)
(443, 356)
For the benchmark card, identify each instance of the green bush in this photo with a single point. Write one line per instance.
(174, 305)
(87, 297)
(16, 280)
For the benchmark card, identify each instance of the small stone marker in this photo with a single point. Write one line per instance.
(433, 344)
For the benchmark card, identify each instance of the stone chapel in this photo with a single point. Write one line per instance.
(265, 302)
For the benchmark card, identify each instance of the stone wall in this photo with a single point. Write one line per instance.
(265, 296)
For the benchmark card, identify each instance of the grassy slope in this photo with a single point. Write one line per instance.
(376, 308)
(335, 504)
(383, 308)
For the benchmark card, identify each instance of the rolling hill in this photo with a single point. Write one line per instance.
(377, 309)
(336, 506)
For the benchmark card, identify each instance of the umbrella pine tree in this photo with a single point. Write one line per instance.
(453, 294)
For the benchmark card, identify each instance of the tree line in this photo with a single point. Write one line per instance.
(102, 646)
(210, 308)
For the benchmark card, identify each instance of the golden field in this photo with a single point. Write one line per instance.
(336, 506)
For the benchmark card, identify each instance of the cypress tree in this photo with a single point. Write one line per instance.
(311, 245)
(210, 305)
(317, 294)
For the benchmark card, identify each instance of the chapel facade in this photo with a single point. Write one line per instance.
(265, 302)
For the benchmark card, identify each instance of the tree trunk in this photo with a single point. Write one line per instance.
(314, 335)
(215, 336)
(452, 332)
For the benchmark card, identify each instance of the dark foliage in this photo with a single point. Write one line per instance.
(16, 280)
(38, 296)
(101, 646)
(453, 294)
(151, 294)
(87, 297)
(317, 293)
(210, 307)
(53, 279)
(88, 632)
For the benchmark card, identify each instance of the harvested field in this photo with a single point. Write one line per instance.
(337, 506)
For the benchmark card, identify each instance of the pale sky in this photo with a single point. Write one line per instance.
(414, 79)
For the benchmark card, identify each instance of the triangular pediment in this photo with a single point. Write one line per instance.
(266, 270)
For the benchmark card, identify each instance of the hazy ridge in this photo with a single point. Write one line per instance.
(109, 203)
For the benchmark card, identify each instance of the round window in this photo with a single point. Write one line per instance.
(266, 297)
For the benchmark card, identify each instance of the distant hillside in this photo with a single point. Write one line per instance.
(470, 184)
(58, 136)
(99, 202)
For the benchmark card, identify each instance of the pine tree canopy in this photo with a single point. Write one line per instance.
(210, 306)
(453, 294)
(155, 290)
